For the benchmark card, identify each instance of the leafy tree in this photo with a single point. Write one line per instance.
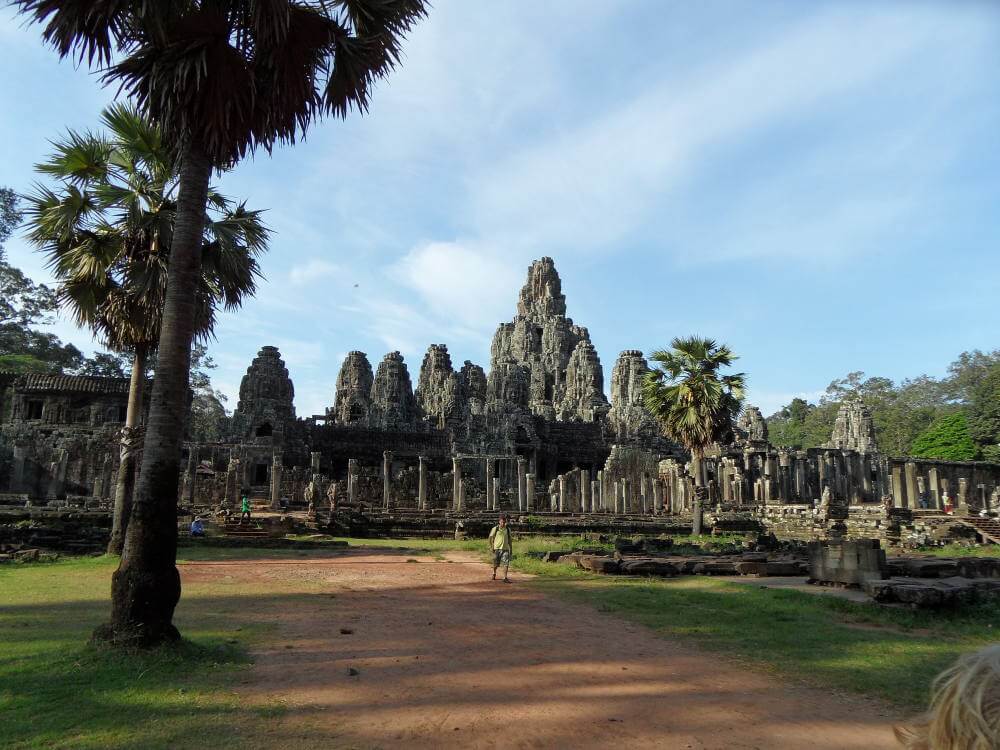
(967, 372)
(107, 229)
(209, 418)
(984, 414)
(947, 439)
(695, 405)
(221, 79)
(106, 365)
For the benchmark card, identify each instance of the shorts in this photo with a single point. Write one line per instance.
(501, 557)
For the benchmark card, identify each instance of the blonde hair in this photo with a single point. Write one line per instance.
(965, 707)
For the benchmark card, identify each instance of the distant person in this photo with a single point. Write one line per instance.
(946, 502)
(502, 547)
(245, 508)
(197, 527)
(965, 707)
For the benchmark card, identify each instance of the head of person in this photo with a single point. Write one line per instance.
(503, 519)
(965, 707)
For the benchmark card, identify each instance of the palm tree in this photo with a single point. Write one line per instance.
(694, 404)
(107, 231)
(222, 78)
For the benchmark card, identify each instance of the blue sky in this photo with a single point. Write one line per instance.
(815, 184)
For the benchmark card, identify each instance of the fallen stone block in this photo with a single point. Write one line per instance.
(599, 564)
(720, 568)
(753, 568)
(648, 567)
(785, 568)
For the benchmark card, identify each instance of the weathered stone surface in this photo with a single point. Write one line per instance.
(932, 592)
(848, 562)
(266, 407)
(583, 398)
(392, 406)
(437, 386)
(716, 568)
(354, 387)
(598, 564)
(648, 566)
(854, 428)
(628, 416)
(751, 427)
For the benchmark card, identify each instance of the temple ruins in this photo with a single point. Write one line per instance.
(534, 434)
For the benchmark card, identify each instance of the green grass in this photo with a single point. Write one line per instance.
(889, 653)
(58, 692)
(962, 550)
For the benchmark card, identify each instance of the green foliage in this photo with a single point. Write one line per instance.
(902, 412)
(107, 228)
(947, 438)
(209, 417)
(984, 413)
(106, 365)
(695, 404)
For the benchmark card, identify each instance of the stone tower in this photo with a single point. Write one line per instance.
(542, 340)
(266, 404)
(628, 416)
(472, 388)
(583, 397)
(437, 386)
(751, 426)
(354, 388)
(392, 406)
(854, 428)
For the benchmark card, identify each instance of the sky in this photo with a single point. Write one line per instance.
(815, 184)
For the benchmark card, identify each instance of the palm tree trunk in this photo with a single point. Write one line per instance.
(126, 466)
(146, 587)
(696, 469)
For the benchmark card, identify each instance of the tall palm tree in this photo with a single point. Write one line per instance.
(107, 230)
(222, 78)
(695, 405)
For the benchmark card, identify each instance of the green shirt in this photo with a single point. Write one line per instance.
(245, 506)
(500, 537)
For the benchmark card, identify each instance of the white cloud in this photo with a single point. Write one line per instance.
(312, 271)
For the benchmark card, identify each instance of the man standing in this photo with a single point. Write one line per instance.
(500, 544)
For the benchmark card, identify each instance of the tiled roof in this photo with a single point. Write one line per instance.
(69, 383)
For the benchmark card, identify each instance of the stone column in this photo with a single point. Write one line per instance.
(962, 503)
(585, 499)
(276, 470)
(898, 498)
(522, 485)
(529, 481)
(422, 484)
(489, 484)
(456, 483)
(461, 494)
(562, 493)
(352, 481)
(658, 496)
(600, 495)
(386, 477)
(314, 458)
(618, 497)
(934, 488)
(626, 496)
(910, 476)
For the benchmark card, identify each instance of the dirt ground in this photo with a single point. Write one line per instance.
(444, 657)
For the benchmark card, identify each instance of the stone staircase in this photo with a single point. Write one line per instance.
(987, 528)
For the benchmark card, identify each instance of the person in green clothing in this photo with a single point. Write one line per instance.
(245, 508)
(500, 543)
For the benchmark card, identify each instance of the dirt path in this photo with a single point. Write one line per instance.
(447, 658)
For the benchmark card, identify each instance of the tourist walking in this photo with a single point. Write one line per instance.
(501, 546)
(245, 508)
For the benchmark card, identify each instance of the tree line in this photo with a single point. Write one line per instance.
(954, 418)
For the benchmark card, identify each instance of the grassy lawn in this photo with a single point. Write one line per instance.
(57, 692)
(962, 550)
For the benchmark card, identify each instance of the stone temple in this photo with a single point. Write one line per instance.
(535, 433)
